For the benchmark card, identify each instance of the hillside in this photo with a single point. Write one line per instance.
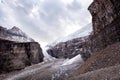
(109, 73)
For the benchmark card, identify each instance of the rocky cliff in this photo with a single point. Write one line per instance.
(72, 45)
(15, 55)
(70, 49)
(106, 23)
(105, 40)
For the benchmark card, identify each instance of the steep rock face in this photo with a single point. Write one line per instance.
(70, 49)
(104, 13)
(15, 56)
(17, 50)
(72, 45)
(106, 23)
(105, 40)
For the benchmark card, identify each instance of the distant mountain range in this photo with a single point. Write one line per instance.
(14, 34)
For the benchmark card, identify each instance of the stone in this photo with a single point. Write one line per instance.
(70, 49)
(106, 23)
(16, 56)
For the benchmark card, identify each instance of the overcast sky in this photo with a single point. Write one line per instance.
(45, 20)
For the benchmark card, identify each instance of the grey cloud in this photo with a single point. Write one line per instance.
(46, 25)
(75, 5)
(52, 9)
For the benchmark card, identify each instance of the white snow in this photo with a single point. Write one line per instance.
(19, 35)
(74, 60)
(83, 32)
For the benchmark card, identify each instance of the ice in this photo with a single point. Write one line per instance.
(74, 60)
(83, 32)
(19, 35)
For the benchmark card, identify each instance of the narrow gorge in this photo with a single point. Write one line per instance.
(92, 53)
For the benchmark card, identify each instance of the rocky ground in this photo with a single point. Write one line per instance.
(103, 65)
(110, 73)
(107, 57)
(52, 70)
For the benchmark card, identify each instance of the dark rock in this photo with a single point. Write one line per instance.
(107, 57)
(109, 73)
(105, 39)
(16, 56)
(71, 48)
(106, 23)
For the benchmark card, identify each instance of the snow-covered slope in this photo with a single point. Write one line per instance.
(83, 32)
(14, 34)
(73, 60)
(19, 35)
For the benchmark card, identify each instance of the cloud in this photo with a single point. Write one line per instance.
(45, 20)
(75, 5)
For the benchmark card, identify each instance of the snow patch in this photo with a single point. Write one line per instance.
(74, 60)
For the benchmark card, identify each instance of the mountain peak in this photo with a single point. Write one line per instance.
(15, 28)
(14, 34)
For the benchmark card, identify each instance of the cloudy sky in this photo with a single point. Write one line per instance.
(45, 20)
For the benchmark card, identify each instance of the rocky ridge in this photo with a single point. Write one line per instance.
(14, 34)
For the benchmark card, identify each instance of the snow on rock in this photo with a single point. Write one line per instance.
(83, 32)
(47, 57)
(14, 34)
(73, 60)
(19, 35)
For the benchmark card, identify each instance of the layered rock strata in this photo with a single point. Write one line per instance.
(16, 56)
(106, 23)
(71, 48)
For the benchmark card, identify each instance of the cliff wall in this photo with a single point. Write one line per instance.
(15, 56)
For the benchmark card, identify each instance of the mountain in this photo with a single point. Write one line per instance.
(17, 50)
(14, 34)
(83, 32)
(72, 45)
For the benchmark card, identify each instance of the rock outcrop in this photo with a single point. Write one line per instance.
(105, 40)
(16, 56)
(17, 50)
(72, 45)
(106, 23)
(70, 49)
